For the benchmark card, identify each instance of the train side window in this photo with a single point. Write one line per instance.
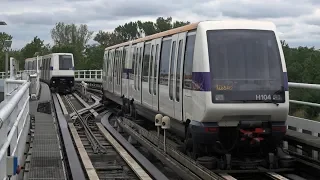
(136, 68)
(188, 62)
(124, 59)
(140, 67)
(39, 63)
(110, 65)
(145, 63)
(173, 54)
(107, 60)
(155, 70)
(132, 72)
(164, 62)
(120, 66)
(117, 67)
(178, 71)
(115, 64)
(150, 68)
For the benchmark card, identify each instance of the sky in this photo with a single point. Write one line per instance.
(297, 21)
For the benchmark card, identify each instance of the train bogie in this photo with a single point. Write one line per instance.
(223, 84)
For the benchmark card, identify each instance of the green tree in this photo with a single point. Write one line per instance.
(71, 34)
(4, 36)
(36, 45)
(94, 57)
(134, 30)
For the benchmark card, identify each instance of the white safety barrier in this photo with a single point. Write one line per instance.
(14, 126)
(88, 75)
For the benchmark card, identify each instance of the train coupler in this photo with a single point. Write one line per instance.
(252, 136)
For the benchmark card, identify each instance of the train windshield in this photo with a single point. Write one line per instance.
(245, 66)
(65, 62)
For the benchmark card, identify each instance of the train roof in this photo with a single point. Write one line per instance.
(33, 58)
(188, 27)
(191, 27)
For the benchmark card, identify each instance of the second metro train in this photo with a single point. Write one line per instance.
(56, 70)
(223, 84)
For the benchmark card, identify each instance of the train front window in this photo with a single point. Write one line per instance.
(245, 66)
(65, 62)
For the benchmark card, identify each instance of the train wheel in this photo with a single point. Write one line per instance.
(195, 150)
(133, 112)
(189, 145)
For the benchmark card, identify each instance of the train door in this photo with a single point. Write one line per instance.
(117, 71)
(155, 73)
(110, 71)
(171, 78)
(40, 67)
(178, 89)
(137, 95)
(46, 70)
(44, 65)
(50, 69)
(105, 70)
(124, 71)
(132, 69)
(135, 71)
(121, 69)
(145, 74)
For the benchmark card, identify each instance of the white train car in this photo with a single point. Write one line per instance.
(218, 81)
(56, 69)
(30, 65)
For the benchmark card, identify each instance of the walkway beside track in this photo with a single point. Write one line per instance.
(46, 160)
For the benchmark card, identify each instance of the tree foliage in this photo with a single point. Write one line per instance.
(133, 30)
(303, 63)
(71, 34)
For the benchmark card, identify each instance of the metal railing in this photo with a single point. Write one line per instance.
(14, 125)
(88, 75)
(302, 125)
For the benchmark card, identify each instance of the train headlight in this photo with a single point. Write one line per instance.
(219, 97)
(276, 97)
(53, 82)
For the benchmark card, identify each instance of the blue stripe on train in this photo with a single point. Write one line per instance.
(201, 81)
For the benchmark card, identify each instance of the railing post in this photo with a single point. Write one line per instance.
(315, 153)
(34, 86)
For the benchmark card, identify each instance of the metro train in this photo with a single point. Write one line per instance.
(56, 70)
(223, 84)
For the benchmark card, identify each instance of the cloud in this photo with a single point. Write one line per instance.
(298, 21)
